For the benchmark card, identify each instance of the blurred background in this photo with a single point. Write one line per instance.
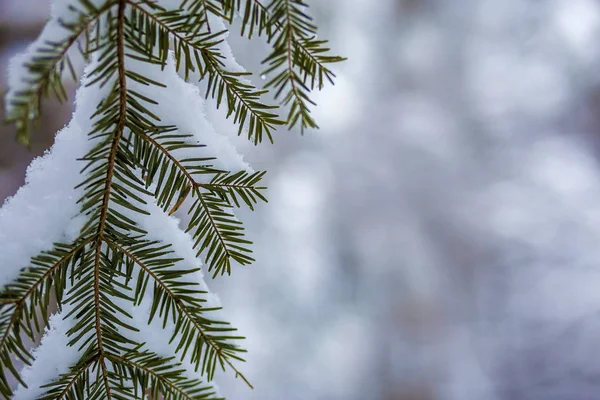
(439, 237)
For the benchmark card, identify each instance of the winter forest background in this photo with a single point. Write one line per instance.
(439, 237)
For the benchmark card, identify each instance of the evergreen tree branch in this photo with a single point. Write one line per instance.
(122, 85)
(295, 47)
(108, 268)
(199, 323)
(70, 384)
(243, 100)
(210, 212)
(214, 228)
(46, 275)
(199, 13)
(19, 301)
(46, 68)
(282, 58)
(162, 375)
(243, 184)
(316, 67)
(255, 18)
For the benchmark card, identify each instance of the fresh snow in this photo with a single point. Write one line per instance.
(52, 358)
(45, 209)
(181, 104)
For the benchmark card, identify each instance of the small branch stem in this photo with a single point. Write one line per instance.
(122, 83)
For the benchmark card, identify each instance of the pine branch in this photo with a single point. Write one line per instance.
(135, 160)
(293, 24)
(27, 300)
(199, 10)
(210, 212)
(197, 52)
(122, 84)
(214, 227)
(242, 184)
(76, 383)
(46, 69)
(255, 17)
(190, 323)
(295, 47)
(156, 376)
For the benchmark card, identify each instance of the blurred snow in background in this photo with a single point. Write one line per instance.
(439, 237)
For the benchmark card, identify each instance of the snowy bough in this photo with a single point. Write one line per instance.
(91, 233)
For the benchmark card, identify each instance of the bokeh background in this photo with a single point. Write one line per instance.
(439, 237)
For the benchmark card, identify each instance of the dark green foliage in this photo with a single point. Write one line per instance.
(24, 303)
(136, 158)
(298, 62)
(48, 66)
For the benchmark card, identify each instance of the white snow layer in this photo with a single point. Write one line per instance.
(52, 358)
(44, 210)
(181, 104)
